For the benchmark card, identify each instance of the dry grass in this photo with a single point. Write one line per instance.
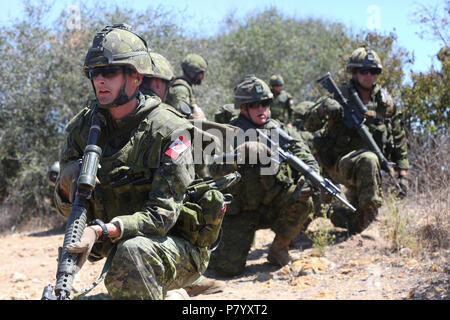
(421, 221)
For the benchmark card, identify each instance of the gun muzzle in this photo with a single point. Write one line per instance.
(47, 294)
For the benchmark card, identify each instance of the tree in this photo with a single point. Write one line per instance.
(427, 100)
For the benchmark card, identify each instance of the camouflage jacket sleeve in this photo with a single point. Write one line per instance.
(313, 118)
(399, 154)
(166, 198)
(180, 98)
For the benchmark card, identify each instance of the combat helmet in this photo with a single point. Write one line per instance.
(161, 67)
(364, 58)
(193, 64)
(118, 45)
(251, 89)
(276, 80)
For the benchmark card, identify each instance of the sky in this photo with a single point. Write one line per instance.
(204, 17)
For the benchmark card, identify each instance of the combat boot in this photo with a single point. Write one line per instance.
(354, 222)
(204, 286)
(178, 294)
(279, 251)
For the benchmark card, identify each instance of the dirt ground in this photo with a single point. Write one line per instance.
(361, 267)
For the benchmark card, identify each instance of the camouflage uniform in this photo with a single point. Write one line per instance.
(345, 157)
(225, 113)
(298, 121)
(261, 201)
(142, 187)
(281, 108)
(181, 94)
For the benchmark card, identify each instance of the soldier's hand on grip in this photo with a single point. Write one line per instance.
(84, 246)
(305, 189)
(68, 180)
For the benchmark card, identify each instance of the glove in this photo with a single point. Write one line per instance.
(332, 108)
(84, 246)
(250, 149)
(68, 180)
(305, 189)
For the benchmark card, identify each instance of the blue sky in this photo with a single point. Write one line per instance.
(204, 17)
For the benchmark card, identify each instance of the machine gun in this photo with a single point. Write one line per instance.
(76, 221)
(316, 180)
(354, 117)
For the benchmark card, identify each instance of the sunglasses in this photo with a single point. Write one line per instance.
(106, 72)
(255, 105)
(366, 71)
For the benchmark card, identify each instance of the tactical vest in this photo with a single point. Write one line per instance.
(126, 179)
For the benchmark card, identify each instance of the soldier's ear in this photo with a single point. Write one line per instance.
(138, 78)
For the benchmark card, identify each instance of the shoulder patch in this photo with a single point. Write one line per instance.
(180, 145)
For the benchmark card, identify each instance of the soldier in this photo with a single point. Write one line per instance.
(181, 94)
(145, 168)
(280, 201)
(343, 153)
(298, 121)
(158, 83)
(281, 108)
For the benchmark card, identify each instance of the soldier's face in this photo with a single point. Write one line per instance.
(107, 86)
(365, 78)
(258, 112)
(277, 89)
(199, 78)
(159, 86)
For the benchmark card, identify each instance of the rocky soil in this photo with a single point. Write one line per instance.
(362, 267)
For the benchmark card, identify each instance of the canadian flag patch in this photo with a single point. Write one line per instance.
(177, 147)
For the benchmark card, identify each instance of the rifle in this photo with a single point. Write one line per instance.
(354, 117)
(199, 187)
(297, 164)
(76, 221)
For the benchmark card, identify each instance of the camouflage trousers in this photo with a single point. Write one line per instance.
(359, 172)
(285, 216)
(147, 267)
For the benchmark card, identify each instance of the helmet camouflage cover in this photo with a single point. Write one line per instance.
(193, 64)
(276, 80)
(161, 67)
(364, 58)
(118, 45)
(302, 108)
(250, 90)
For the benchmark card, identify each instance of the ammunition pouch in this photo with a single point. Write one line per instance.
(200, 222)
